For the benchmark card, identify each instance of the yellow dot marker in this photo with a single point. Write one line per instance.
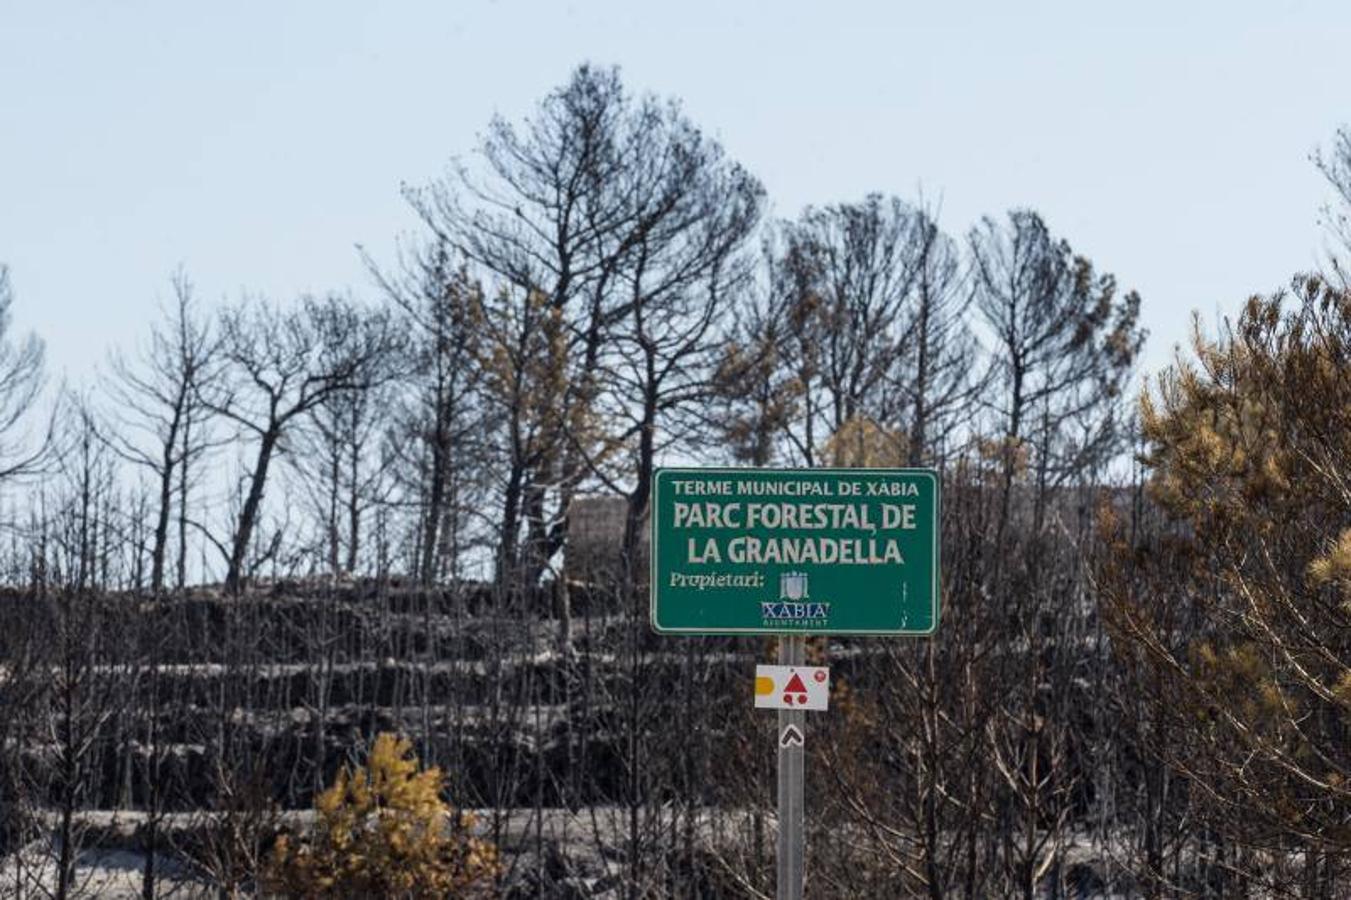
(764, 685)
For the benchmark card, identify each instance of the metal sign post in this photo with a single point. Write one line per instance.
(792, 751)
(793, 552)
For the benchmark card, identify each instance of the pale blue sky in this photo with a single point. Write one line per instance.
(256, 143)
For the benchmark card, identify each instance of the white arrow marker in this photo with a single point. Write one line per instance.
(791, 737)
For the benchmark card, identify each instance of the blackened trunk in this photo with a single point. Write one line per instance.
(166, 488)
(248, 517)
(183, 502)
(511, 519)
(435, 499)
(920, 426)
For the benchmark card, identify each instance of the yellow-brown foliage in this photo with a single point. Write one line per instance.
(862, 443)
(1250, 452)
(383, 830)
(1334, 567)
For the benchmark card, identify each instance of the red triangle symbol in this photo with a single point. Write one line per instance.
(795, 685)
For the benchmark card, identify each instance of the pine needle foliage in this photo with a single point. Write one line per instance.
(1239, 613)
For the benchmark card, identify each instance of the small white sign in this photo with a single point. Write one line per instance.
(792, 687)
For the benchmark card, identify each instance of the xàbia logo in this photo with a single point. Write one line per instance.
(794, 606)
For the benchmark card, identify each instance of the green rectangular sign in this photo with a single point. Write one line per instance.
(794, 551)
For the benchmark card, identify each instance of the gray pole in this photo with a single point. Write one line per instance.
(792, 738)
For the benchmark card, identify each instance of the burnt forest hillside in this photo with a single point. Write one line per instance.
(346, 594)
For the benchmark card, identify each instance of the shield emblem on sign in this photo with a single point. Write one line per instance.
(792, 585)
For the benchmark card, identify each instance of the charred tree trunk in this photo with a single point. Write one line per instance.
(248, 516)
